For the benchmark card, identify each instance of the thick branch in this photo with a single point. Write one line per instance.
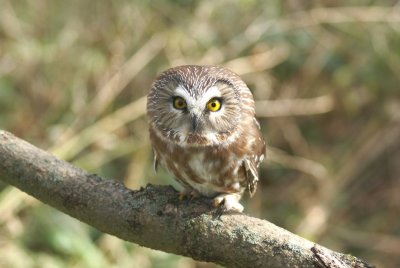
(154, 217)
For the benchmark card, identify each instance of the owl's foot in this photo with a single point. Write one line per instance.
(188, 194)
(228, 202)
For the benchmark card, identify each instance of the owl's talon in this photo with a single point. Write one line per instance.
(183, 195)
(220, 211)
(188, 194)
(194, 194)
(228, 202)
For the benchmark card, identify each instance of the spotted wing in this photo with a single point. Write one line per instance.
(250, 167)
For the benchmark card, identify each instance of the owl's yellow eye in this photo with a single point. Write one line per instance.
(214, 104)
(179, 103)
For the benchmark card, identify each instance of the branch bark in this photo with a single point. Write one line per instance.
(154, 217)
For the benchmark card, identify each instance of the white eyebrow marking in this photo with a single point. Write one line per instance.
(212, 92)
(182, 92)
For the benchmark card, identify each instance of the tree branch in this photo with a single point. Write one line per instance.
(154, 217)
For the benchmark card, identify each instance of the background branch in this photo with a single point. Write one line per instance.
(154, 217)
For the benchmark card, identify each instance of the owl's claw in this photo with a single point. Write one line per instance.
(182, 195)
(228, 202)
(188, 194)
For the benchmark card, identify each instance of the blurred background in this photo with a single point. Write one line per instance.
(325, 75)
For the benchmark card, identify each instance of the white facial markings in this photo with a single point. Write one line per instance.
(198, 104)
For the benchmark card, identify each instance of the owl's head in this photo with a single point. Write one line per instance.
(198, 105)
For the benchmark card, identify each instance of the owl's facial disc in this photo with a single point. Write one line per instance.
(196, 107)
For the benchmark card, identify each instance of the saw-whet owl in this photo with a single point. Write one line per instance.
(203, 130)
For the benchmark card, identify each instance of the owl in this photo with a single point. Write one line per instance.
(203, 130)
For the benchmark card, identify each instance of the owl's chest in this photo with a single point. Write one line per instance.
(205, 165)
(208, 170)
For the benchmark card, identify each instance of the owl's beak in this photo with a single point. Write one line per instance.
(195, 122)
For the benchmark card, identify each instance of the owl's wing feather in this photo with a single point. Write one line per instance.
(251, 175)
